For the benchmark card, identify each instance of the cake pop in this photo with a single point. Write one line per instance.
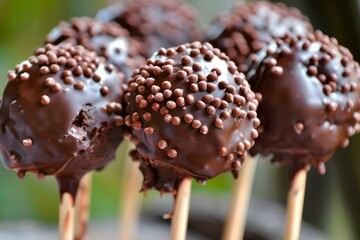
(156, 23)
(192, 113)
(251, 26)
(61, 115)
(311, 104)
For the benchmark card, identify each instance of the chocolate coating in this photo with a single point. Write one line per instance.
(251, 26)
(107, 39)
(156, 23)
(310, 104)
(55, 120)
(193, 114)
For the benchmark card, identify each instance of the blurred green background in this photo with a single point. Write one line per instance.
(332, 201)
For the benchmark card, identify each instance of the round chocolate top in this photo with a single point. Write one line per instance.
(193, 114)
(311, 99)
(156, 23)
(60, 114)
(107, 39)
(251, 26)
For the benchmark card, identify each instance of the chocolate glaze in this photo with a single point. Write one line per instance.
(251, 26)
(107, 39)
(60, 115)
(310, 106)
(156, 23)
(193, 114)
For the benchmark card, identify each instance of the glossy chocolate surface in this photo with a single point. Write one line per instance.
(251, 26)
(60, 115)
(310, 105)
(193, 114)
(107, 39)
(156, 23)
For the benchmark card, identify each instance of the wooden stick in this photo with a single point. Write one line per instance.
(131, 198)
(181, 211)
(82, 206)
(295, 206)
(66, 217)
(236, 219)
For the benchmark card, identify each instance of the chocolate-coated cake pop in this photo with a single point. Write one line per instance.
(193, 114)
(310, 104)
(107, 39)
(250, 26)
(156, 23)
(61, 115)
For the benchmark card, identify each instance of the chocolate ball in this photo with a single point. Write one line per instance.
(251, 26)
(156, 23)
(192, 113)
(310, 99)
(107, 39)
(61, 114)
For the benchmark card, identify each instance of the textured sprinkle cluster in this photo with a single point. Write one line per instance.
(107, 39)
(316, 82)
(251, 26)
(156, 23)
(59, 113)
(185, 98)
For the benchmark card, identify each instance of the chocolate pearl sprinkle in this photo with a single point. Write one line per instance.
(180, 101)
(176, 121)
(49, 82)
(162, 144)
(149, 130)
(178, 92)
(200, 104)
(27, 142)
(11, 75)
(45, 100)
(188, 118)
(164, 110)
(147, 116)
(189, 99)
(224, 115)
(104, 90)
(312, 71)
(197, 67)
(24, 76)
(277, 71)
(223, 84)
(168, 69)
(218, 123)
(69, 80)
(216, 102)
(96, 78)
(44, 70)
(196, 124)
(207, 98)
(143, 104)
(211, 87)
(193, 78)
(171, 105)
(159, 97)
(166, 85)
(79, 85)
(56, 88)
(186, 60)
(202, 86)
(212, 77)
(172, 153)
(155, 107)
(204, 130)
(167, 118)
(211, 110)
(154, 89)
(149, 81)
(209, 56)
(222, 151)
(181, 74)
(167, 93)
(194, 88)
